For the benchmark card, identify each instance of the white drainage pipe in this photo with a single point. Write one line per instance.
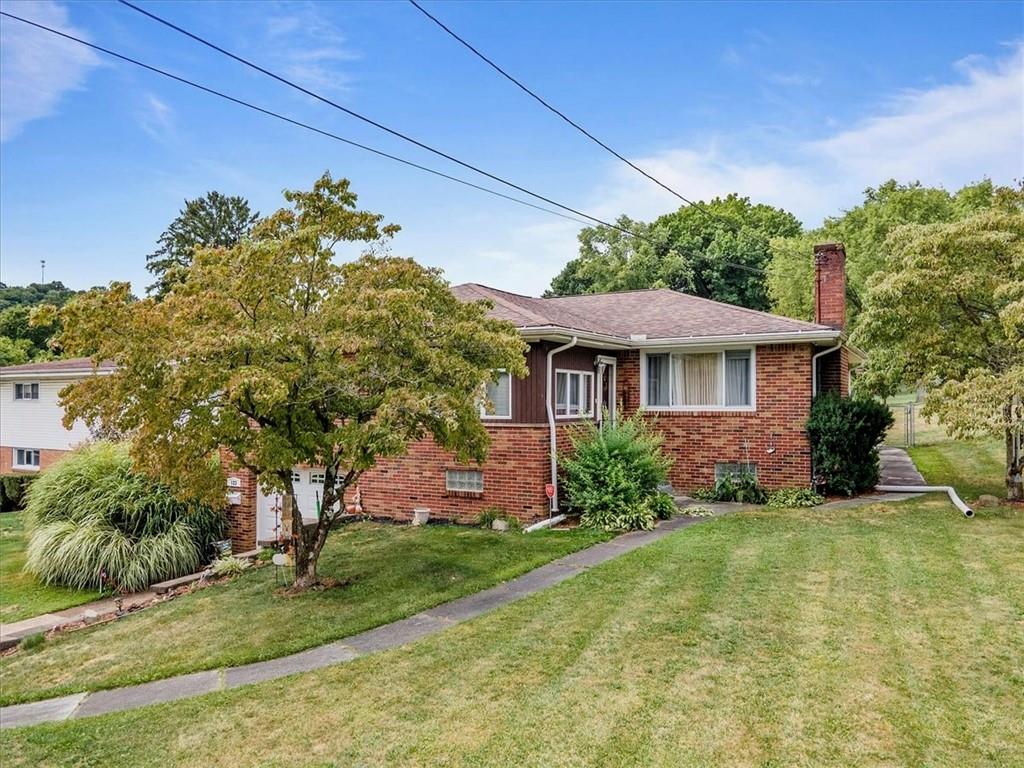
(946, 489)
(544, 524)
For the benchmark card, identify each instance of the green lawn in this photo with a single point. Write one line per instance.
(384, 572)
(883, 635)
(21, 596)
(972, 467)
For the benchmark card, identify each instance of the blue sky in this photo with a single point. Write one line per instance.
(801, 105)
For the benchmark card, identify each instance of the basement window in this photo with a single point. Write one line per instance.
(464, 480)
(734, 469)
(26, 458)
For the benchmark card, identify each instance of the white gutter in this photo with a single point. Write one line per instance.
(77, 373)
(619, 342)
(553, 504)
(946, 489)
(814, 368)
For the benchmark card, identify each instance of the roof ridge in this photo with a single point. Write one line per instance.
(748, 310)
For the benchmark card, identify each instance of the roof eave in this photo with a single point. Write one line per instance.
(617, 342)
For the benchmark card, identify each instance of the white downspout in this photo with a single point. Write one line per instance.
(553, 504)
(946, 489)
(814, 367)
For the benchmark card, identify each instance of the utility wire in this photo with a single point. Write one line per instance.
(284, 118)
(370, 121)
(566, 118)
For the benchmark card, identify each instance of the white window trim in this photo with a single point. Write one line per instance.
(589, 403)
(23, 384)
(700, 408)
(492, 416)
(31, 467)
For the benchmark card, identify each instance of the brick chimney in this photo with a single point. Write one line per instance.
(830, 285)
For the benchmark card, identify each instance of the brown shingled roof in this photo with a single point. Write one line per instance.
(67, 365)
(657, 313)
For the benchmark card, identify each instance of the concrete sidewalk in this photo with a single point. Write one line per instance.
(16, 630)
(381, 638)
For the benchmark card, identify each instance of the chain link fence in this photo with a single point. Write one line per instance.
(903, 432)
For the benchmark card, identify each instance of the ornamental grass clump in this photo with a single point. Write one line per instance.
(95, 522)
(612, 473)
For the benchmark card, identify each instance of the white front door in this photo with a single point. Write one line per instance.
(309, 487)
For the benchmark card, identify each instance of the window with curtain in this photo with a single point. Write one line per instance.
(574, 393)
(700, 379)
(498, 398)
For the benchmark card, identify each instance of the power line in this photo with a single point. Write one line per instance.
(698, 205)
(370, 121)
(287, 119)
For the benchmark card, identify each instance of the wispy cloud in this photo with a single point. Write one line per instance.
(948, 135)
(36, 68)
(156, 118)
(303, 43)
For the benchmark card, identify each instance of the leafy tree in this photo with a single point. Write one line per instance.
(54, 292)
(272, 351)
(25, 332)
(947, 312)
(863, 230)
(718, 251)
(215, 220)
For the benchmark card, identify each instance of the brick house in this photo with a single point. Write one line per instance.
(727, 387)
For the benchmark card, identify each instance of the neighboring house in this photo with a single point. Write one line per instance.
(727, 387)
(31, 433)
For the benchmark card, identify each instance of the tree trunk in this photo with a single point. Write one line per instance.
(310, 542)
(1014, 459)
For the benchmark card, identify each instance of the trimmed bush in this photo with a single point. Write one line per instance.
(12, 491)
(612, 472)
(845, 434)
(90, 514)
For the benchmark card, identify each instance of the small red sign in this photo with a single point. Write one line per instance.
(549, 489)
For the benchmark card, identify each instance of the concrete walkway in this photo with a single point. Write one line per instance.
(16, 630)
(895, 470)
(381, 638)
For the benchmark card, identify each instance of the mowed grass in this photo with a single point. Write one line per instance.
(22, 596)
(882, 635)
(384, 573)
(973, 467)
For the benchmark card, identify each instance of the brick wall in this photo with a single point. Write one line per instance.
(515, 472)
(241, 517)
(47, 456)
(834, 372)
(772, 436)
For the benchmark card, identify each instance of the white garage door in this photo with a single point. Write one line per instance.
(308, 484)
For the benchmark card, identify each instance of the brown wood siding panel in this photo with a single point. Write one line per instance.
(528, 402)
(528, 394)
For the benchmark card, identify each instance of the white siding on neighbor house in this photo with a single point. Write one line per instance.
(37, 423)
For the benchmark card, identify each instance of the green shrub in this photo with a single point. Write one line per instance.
(90, 514)
(488, 515)
(844, 435)
(12, 491)
(662, 506)
(794, 497)
(742, 487)
(611, 472)
(229, 566)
